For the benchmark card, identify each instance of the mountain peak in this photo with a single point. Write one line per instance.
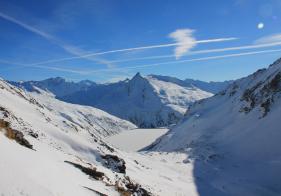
(137, 78)
(138, 75)
(56, 80)
(86, 82)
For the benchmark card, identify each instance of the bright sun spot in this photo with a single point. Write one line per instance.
(260, 25)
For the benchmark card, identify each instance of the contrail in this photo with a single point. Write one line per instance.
(246, 47)
(43, 67)
(68, 48)
(131, 49)
(189, 60)
(78, 54)
(87, 72)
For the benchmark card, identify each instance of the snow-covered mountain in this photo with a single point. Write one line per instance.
(58, 86)
(151, 101)
(234, 137)
(49, 147)
(212, 87)
(145, 101)
(68, 116)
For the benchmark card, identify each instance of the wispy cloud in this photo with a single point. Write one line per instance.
(269, 39)
(185, 41)
(68, 48)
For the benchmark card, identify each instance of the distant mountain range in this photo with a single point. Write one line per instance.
(58, 86)
(151, 101)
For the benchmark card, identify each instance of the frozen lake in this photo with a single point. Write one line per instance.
(136, 139)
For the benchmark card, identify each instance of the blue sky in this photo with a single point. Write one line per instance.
(109, 40)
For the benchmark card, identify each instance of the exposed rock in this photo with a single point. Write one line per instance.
(114, 163)
(127, 187)
(14, 134)
(92, 172)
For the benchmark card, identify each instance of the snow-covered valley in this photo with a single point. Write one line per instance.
(136, 139)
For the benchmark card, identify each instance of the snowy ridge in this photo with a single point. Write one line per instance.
(212, 87)
(58, 86)
(237, 132)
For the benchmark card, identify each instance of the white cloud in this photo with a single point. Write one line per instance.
(275, 38)
(185, 41)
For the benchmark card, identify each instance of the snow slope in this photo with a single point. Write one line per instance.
(212, 87)
(145, 101)
(67, 159)
(234, 137)
(83, 117)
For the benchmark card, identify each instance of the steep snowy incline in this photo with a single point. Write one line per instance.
(95, 121)
(145, 101)
(234, 137)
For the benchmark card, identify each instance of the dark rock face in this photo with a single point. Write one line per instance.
(131, 188)
(114, 163)
(92, 172)
(263, 94)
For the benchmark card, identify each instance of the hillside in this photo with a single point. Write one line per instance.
(234, 137)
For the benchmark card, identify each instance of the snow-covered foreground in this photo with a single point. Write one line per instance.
(136, 139)
(44, 172)
(48, 148)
